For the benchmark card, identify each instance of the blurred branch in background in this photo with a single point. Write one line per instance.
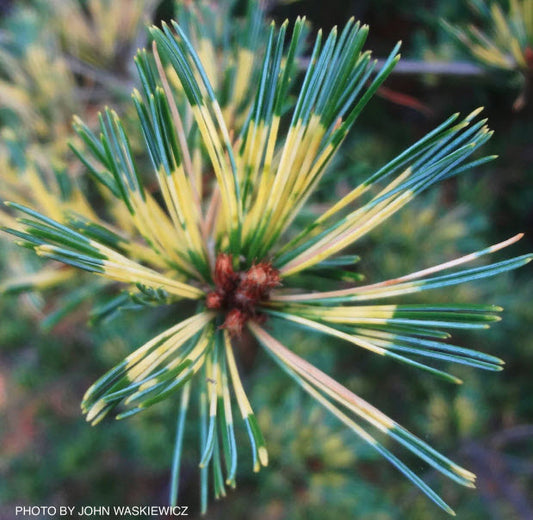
(448, 68)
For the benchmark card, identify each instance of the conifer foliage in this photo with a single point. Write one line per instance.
(238, 138)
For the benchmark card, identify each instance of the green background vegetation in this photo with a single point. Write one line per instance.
(49, 455)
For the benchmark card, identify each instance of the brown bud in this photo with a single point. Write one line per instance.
(257, 275)
(528, 55)
(225, 277)
(234, 322)
(243, 299)
(272, 275)
(214, 300)
(259, 278)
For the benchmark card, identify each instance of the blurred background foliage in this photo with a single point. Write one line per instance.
(57, 59)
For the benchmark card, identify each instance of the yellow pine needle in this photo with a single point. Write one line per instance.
(279, 296)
